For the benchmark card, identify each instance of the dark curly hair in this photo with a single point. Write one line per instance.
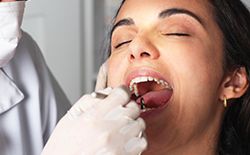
(233, 19)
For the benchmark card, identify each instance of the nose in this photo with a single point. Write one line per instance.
(142, 48)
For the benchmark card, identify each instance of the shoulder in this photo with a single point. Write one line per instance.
(28, 61)
(47, 81)
(31, 74)
(29, 48)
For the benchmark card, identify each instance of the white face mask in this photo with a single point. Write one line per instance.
(11, 15)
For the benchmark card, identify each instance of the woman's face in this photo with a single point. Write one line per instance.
(177, 42)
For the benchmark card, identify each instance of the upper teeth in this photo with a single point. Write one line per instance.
(135, 81)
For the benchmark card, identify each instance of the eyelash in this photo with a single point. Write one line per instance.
(168, 34)
(122, 43)
(178, 34)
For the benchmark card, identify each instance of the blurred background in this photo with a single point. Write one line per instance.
(71, 35)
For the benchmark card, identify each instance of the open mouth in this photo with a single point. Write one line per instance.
(150, 92)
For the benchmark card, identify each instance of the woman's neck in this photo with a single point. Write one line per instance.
(195, 143)
(194, 147)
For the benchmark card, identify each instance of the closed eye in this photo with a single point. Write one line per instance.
(122, 43)
(178, 34)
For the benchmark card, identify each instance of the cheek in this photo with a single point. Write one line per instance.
(197, 73)
(197, 69)
(116, 70)
(197, 60)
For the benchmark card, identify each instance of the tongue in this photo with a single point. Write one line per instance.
(155, 99)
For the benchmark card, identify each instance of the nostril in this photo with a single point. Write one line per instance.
(139, 55)
(132, 56)
(144, 54)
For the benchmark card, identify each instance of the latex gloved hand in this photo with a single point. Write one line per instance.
(100, 126)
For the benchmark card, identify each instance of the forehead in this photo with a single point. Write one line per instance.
(151, 8)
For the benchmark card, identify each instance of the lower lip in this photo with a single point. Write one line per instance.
(152, 112)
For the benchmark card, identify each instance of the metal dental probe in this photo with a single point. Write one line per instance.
(142, 104)
(102, 96)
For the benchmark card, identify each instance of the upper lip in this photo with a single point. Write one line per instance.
(145, 72)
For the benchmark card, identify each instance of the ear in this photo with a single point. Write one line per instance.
(235, 84)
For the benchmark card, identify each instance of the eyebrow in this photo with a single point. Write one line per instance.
(123, 22)
(174, 11)
(163, 14)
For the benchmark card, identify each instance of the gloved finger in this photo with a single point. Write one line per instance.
(132, 110)
(87, 102)
(102, 93)
(118, 96)
(101, 81)
(93, 98)
(82, 105)
(134, 129)
(136, 145)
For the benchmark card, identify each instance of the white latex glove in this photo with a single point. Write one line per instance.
(97, 126)
(102, 76)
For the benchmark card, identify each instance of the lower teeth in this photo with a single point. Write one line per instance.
(143, 106)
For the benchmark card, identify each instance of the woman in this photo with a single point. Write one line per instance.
(187, 65)
(202, 50)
